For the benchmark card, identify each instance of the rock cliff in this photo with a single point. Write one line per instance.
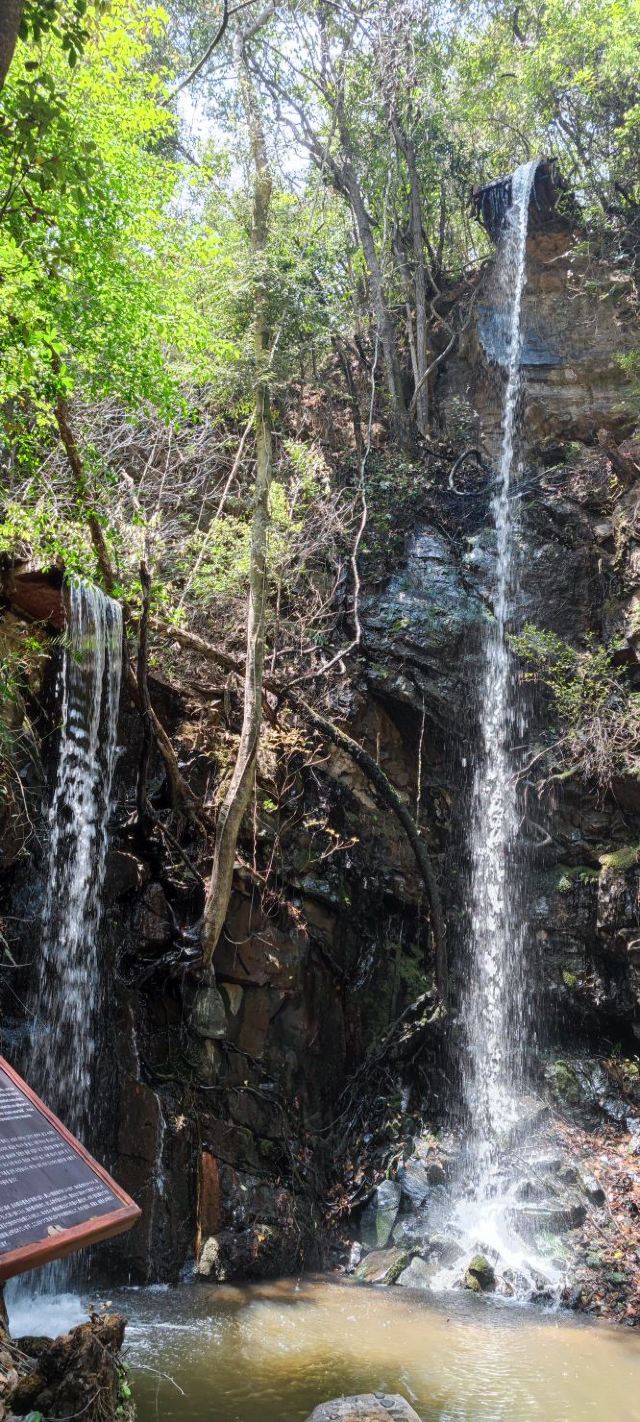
(230, 1136)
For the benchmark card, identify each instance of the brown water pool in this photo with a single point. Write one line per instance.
(271, 1352)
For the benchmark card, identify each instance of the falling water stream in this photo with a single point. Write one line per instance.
(67, 990)
(496, 999)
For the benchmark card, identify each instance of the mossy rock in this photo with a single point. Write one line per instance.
(480, 1275)
(383, 1266)
(34, 1345)
(619, 861)
(26, 1392)
(565, 1084)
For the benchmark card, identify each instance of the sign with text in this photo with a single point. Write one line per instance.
(54, 1198)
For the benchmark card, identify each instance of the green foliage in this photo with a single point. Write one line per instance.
(21, 657)
(128, 277)
(67, 20)
(396, 497)
(34, 526)
(97, 263)
(620, 860)
(563, 78)
(598, 715)
(580, 681)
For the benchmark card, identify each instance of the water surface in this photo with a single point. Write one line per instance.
(271, 1352)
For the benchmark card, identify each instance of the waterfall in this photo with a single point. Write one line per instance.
(497, 994)
(66, 995)
(68, 988)
(482, 1212)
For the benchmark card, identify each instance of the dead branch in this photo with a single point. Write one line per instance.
(182, 797)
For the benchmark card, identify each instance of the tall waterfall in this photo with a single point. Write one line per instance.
(479, 1212)
(68, 988)
(496, 999)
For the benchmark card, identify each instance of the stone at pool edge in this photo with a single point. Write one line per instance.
(418, 1274)
(383, 1266)
(480, 1275)
(365, 1407)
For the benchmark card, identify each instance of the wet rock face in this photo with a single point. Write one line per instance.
(575, 384)
(211, 1126)
(430, 617)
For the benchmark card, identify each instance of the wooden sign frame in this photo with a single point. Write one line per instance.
(92, 1230)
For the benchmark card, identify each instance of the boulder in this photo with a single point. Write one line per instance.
(383, 1266)
(418, 1274)
(261, 1251)
(209, 1017)
(565, 1084)
(151, 919)
(551, 1218)
(78, 1374)
(412, 1232)
(414, 1181)
(380, 1215)
(592, 1188)
(125, 874)
(446, 1251)
(480, 1275)
(367, 1407)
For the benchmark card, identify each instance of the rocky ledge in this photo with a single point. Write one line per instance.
(77, 1375)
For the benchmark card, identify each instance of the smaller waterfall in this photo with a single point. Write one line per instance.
(66, 994)
(68, 987)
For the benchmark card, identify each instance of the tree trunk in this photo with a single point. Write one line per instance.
(401, 422)
(10, 17)
(422, 336)
(238, 795)
(423, 354)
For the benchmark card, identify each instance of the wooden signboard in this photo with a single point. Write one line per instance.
(54, 1198)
